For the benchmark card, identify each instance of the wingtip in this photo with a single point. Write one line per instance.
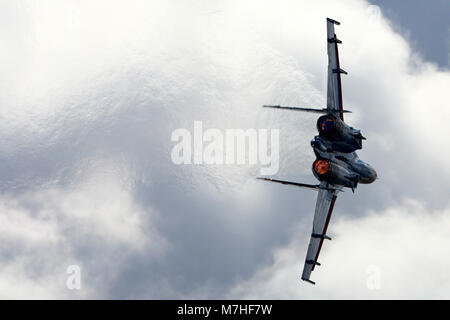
(309, 281)
(333, 21)
(264, 178)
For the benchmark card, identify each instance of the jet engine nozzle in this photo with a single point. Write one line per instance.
(321, 166)
(325, 124)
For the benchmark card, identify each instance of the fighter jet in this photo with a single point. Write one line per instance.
(337, 165)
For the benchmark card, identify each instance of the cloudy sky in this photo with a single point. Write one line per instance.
(92, 91)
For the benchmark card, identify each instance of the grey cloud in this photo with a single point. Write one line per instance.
(94, 134)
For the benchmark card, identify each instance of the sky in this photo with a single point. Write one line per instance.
(92, 92)
(424, 24)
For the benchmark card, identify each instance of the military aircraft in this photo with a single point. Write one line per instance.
(337, 164)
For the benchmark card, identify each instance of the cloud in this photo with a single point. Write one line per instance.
(403, 247)
(95, 91)
(94, 223)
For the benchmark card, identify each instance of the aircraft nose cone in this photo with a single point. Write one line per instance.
(369, 176)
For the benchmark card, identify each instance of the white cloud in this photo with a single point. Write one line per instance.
(405, 243)
(42, 233)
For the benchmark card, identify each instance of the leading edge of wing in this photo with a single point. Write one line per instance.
(334, 87)
(324, 209)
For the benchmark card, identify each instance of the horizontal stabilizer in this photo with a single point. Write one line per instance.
(297, 108)
(298, 184)
(324, 110)
(303, 185)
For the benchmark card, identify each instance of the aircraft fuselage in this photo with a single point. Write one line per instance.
(337, 161)
(337, 136)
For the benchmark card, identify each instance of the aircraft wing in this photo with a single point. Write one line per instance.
(324, 208)
(334, 90)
